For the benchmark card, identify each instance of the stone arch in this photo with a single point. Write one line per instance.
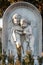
(25, 10)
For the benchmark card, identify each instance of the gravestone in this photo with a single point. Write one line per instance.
(31, 14)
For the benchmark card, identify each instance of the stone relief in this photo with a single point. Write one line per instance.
(22, 35)
(22, 31)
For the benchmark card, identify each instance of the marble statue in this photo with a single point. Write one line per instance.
(21, 34)
(16, 32)
(28, 43)
(17, 29)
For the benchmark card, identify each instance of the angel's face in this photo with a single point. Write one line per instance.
(16, 19)
(23, 23)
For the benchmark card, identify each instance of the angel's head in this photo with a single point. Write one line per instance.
(24, 22)
(16, 18)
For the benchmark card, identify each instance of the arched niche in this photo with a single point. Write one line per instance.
(31, 13)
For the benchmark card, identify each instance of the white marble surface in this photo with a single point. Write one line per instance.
(29, 12)
(36, 61)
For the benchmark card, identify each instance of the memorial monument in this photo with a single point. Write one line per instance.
(22, 30)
